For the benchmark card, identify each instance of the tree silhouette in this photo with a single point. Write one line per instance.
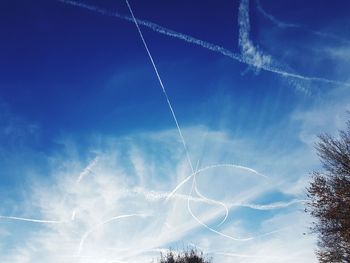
(329, 198)
(190, 256)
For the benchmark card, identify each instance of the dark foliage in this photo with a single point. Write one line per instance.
(329, 198)
(190, 256)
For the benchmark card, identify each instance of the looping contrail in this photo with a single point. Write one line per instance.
(207, 45)
(87, 233)
(194, 183)
(216, 231)
(211, 201)
(228, 165)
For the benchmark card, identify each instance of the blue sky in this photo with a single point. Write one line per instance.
(89, 150)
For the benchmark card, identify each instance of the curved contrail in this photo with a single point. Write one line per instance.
(207, 45)
(285, 25)
(218, 232)
(212, 167)
(87, 233)
(211, 201)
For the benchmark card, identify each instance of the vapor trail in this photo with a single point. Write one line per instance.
(218, 232)
(87, 170)
(154, 196)
(273, 19)
(33, 220)
(194, 186)
(248, 50)
(212, 167)
(211, 201)
(86, 235)
(282, 24)
(163, 88)
(207, 45)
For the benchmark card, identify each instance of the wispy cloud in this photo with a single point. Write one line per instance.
(110, 208)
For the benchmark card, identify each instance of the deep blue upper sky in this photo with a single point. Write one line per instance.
(73, 72)
(60, 64)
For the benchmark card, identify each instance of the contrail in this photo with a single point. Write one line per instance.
(85, 236)
(163, 88)
(282, 24)
(205, 225)
(194, 186)
(209, 200)
(34, 220)
(152, 195)
(207, 45)
(271, 206)
(218, 232)
(273, 19)
(228, 165)
(88, 169)
(248, 50)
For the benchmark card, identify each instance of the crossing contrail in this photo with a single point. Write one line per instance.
(207, 45)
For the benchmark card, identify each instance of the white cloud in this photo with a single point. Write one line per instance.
(328, 114)
(128, 179)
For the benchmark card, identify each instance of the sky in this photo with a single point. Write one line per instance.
(128, 128)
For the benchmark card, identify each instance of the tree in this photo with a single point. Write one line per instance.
(191, 256)
(329, 198)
